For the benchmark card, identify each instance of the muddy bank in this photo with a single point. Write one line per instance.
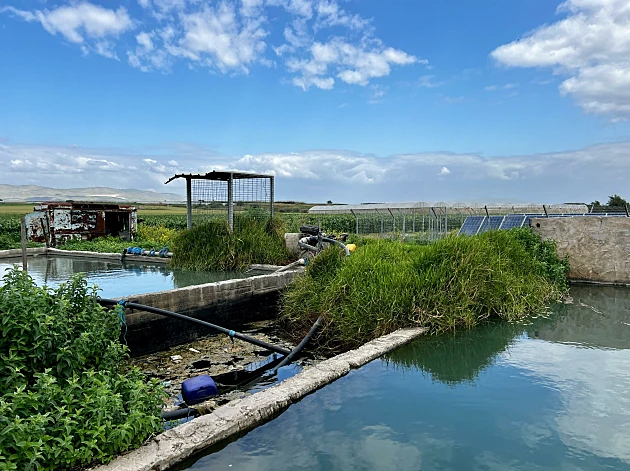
(215, 355)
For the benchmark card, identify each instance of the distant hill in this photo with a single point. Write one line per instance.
(33, 193)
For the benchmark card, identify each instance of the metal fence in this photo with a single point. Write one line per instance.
(430, 221)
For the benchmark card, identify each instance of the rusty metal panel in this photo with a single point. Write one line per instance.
(100, 222)
(35, 227)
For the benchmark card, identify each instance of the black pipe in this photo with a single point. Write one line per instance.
(287, 359)
(175, 315)
(180, 414)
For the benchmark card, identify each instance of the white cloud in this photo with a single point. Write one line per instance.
(322, 41)
(582, 175)
(507, 86)
(591, 45)
(428, 81)
(352, 64)
(82, 23)
(145, 40)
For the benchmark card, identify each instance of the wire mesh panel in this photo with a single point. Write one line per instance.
(233, 197)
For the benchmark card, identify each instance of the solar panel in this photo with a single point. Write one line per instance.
(491, 225)
(471, 225)
(512, 221)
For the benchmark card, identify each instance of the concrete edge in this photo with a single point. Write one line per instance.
(16, 253)
(106, 256)
(177, 444)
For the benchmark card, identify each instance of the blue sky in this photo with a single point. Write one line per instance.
(346, 100)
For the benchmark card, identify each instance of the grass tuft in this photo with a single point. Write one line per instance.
(454, 283)
(211, 246)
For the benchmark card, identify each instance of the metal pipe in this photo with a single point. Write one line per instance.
(301, 261)
(340, 244)
(176, 315)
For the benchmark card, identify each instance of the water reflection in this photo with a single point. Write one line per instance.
(113, 277)
(549, 395)
(457, 358)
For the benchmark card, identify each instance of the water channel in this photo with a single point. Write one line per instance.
(114, 278)
(552, 393)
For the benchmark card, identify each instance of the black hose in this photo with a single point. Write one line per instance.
(175, 315)
(180, 413)
(287, 359)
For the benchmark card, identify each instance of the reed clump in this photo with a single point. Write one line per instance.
(453, 283)
(211, 246)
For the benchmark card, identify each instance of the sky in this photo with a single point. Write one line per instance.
(342, 100)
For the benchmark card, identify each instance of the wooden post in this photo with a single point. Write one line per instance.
(23, 231)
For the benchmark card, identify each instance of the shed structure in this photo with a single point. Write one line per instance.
(55, 222)
(209, 195)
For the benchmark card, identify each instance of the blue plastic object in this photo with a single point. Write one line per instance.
(198, 389)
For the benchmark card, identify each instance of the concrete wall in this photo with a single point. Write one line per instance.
(598, 247)
(227, 303)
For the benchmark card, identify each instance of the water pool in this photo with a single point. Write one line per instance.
(114, 278)
(552, 394)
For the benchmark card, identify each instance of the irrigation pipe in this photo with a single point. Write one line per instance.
(175, 315)
(305, 246)
(301, 261)
(286, 360)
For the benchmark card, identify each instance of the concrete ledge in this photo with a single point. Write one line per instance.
(15, 253)
(179, 443)
(192, 298)
(37, 251)
(106, 256)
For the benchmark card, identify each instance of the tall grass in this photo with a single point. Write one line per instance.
(211, 246)
(454, 283)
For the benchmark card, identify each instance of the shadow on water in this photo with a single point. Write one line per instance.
(597, 317)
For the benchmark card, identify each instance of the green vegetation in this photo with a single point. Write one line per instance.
(450, 284)
(67, 397)
(615, 204)
(211, 246)
(10, 236)
(148, 237)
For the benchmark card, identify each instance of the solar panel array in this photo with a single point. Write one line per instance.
(478, 224)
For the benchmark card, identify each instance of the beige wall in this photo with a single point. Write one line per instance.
(598, 247)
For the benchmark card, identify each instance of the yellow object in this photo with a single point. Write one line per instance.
(351, 247)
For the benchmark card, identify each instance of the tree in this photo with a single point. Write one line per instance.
(616, 201)
(329, 202)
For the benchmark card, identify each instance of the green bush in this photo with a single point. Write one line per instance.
(211, 246)
(67, 399)
(453, 283)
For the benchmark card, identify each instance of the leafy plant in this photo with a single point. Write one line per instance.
(67, 397)
(452, 283)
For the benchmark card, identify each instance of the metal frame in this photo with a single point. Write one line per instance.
(228, 177)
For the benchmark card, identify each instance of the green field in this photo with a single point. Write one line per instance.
(160, 209)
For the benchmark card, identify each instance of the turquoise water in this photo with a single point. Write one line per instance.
(114, 278)
(550, 395)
